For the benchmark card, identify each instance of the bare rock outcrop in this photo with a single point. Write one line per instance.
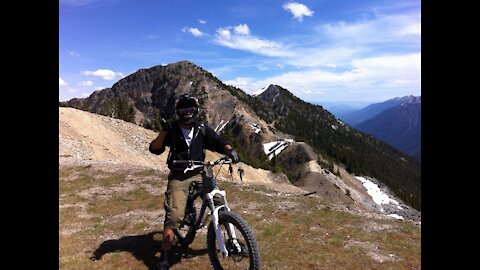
(88, 138)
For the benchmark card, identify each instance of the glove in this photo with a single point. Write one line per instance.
(234, 156)
(164, 125)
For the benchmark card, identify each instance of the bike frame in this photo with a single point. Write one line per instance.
(208, 201)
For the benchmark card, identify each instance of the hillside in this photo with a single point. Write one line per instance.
(111, 211)
(250, 123)
(399, 126)
(91, 139)
(337, 143)
(86, 138)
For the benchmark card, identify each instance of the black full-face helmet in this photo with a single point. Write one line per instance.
(186, 108)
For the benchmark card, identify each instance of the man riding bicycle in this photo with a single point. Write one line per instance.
(187, 139)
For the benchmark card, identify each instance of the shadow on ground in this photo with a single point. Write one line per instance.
(144, 248)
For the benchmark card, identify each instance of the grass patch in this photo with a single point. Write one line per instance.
(81, 178)
(117, 204)
(147, 173)
(293, 232)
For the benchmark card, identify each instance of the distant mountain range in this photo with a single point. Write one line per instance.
(396, 121)
(355, 117)
(251, 121)
(342, 108)
(399, 126)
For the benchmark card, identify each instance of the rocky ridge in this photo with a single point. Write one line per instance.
(112, 144)
(90, 139)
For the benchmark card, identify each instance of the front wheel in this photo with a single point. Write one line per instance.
(243, 252)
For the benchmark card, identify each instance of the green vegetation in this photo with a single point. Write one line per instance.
(123, 108)
(361, 154)
(156, 121)
(258, 160)
(116, 106)
(122, 230)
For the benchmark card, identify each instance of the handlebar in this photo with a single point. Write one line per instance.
(225, 159)
(196, 164)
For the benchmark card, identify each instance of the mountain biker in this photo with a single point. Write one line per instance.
(187, 139)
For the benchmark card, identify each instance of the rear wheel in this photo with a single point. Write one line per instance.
(243, 252)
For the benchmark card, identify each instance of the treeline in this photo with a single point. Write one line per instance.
(360, 153)
(120, 107)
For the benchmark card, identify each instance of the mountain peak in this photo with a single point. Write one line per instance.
(267, 90)
(408, 99)
(412, 100)
(182, 62)
(273, 91)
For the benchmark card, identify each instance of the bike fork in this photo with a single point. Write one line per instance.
(216, 225)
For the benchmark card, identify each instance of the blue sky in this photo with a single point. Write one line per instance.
(320, 50)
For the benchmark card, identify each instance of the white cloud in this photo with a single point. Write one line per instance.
(224, 34)
(202, 21)
(61, 82)
(298, 10)
(241, 29)
(412, 28)
(395, 62)
(85, 83)
(398, 29)
(105, 74)
(386, 72)
(244, 83)
(242, 40)
(324, 57)
(73, 53)
(100, 88)
(376, 74)
(193, 31)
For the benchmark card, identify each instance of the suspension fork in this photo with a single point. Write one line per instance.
(216, 225)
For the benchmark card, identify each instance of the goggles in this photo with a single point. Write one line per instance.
(189, 110)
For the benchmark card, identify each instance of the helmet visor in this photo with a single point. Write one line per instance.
(186, 102)
(187, 110)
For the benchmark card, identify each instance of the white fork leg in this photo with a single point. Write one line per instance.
(216, 225)
(231, 229)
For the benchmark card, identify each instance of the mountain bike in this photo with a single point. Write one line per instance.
(230, 241)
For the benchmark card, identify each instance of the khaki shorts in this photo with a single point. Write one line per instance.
(176, 197)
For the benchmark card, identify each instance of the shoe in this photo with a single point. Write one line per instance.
(163, 264)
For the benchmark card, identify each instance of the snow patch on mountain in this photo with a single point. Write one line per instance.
(256, 93)
(255, 127)
(274, 148)
(219, 128)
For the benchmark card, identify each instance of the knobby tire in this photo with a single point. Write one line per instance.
(246, 236)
